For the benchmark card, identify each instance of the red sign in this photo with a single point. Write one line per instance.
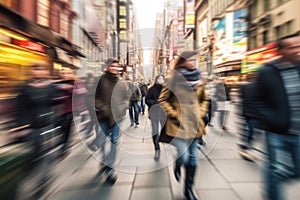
(29, 45)
(255, 58)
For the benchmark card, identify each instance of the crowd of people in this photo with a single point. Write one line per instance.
(180, 106)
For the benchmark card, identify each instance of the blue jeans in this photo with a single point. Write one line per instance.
(187, 151)
(108, 158)
(156, 131)
(134, 106)
(282, 164)
(247, 137)
(143, 104)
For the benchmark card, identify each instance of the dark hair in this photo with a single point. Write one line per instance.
(157, 77)
(280, 43)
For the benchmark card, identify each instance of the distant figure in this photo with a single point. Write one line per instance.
(111, 102)
(134, 108)
(221, 96)
(279, 87)
(144, 89)
(185, 102)
(156, 114)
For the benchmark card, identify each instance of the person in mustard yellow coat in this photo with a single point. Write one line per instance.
(185, 102)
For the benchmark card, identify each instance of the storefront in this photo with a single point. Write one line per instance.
(16, 54)
(230, 71)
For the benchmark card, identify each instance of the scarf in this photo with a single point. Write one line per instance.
(188, 78)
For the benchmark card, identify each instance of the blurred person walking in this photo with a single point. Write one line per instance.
(185, 102)
(34, 111)
(144, 89)
(134, 107)
(111, 100)
(221, 96)
(250, 109)
(279, 87)
(156, 114)
(66, 84)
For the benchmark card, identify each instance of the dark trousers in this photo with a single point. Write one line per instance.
(247, 137)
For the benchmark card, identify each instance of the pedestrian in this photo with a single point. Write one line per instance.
(135, 97)
(250, 108)
(279, 87)
(34, 112)
(111, 100)
(184, 100)
(221, 96)
(66, 84)
(144, 89)
(156, 113)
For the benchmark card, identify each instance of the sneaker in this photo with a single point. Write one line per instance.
(246, 156)
(132, 124)
(136, 126)
(111, 177)
(156, 155)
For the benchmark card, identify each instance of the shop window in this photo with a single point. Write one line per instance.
(43, 12)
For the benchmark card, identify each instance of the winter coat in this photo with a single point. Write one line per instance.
(156, 112)
(185, 109)
(134, 92)
(111, 99)
(34, 105)
(275, 114)
(250, 98)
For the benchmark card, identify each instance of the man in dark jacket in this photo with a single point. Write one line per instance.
(135, 97)
(110, 103)
(279, 87)
(250, 111)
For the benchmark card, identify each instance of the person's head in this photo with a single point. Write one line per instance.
(112, 65)
(67, 74)
(185, 60)
(160, 79)
(289, 48)
(40, 70)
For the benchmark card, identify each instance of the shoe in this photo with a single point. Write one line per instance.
(156, 155)
(210, 125)
(111, 177)
(137, 123)
(143, 113)
(246, 156)
(132, 124)
(177, 171)
(92, 147)
(202, 142)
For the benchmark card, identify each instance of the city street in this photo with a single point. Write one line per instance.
(221, 174)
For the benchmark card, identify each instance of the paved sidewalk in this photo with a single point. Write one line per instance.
(221, 175)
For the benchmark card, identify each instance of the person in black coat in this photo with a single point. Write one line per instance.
(250, 110)
(156, 113)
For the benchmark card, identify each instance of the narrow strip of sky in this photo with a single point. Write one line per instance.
(146, 12)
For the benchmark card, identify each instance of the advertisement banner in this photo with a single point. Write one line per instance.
(240, 28)
(219, 28)
(189, 14)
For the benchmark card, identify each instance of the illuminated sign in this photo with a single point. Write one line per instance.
(29, 45)
(256, 58)
(189, 14)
